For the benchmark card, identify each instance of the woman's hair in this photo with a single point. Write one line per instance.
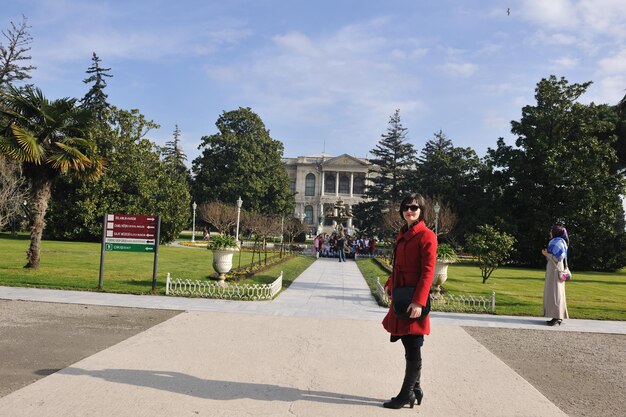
(557, 231)
(419, 200)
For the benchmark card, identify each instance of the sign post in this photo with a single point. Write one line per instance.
(130, 233)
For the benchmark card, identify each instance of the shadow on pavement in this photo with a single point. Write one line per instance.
(181, 383)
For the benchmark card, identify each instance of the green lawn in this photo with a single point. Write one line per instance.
(76, 265)
(519, 291)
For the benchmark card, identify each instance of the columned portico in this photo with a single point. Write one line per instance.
(319, 181)
(351, 183)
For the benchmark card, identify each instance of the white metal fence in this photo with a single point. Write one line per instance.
(231, 291)
(465, 303)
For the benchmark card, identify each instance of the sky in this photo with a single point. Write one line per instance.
(326, 76)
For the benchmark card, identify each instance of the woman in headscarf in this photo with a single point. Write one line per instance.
(554, 302)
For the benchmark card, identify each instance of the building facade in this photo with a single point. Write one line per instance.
(320, 181)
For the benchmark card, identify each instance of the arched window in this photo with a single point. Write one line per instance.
(308, 212)
(309, 185)
(358, 187)
(344, 183)
(292, 187)
(329, 183)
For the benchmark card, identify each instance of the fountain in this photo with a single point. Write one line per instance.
(339, 214)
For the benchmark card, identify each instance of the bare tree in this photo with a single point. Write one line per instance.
(14, 53)
(392, 222)
(263, 226)
(446, 219)
(13, 191)
(294, 227)
(221, 216)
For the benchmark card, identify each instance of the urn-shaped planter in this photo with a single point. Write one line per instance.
(223, 261)
(445, 256)
(441, 275)
(223, 247)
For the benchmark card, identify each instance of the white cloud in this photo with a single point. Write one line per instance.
(553, 13)
(347, 82)
(607, 90)
(297, 43)
(489, 49)
(615, 64)
(460, 69)
(221, 73)
(494, 120)
(583, 18)
(564, 62)
(604, 16)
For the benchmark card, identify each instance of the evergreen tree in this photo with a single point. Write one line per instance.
(173, 154)
(242, 160)
(14, 53)
(136, 181)
(620, 131)
(452, 175)
(562, 169)
(96, 98)
(394, 160)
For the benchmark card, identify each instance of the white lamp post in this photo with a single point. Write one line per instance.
(239, 203)
(193, 223)
(437, 208)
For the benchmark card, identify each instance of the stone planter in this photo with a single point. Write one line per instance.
(223, 262)
(441, 275)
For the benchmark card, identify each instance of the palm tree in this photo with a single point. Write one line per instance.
(48, 138)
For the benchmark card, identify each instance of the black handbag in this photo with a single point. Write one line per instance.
(401, 298)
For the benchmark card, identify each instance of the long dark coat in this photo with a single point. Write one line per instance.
(414, 265)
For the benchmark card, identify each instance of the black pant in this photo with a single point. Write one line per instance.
(412, 346)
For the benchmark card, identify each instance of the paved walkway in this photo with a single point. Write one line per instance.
(317, 350)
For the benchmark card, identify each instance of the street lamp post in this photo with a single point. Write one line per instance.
(437, 208)
(239, 203)
(193, 224)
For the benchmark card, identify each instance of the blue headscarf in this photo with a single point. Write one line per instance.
(558, 248)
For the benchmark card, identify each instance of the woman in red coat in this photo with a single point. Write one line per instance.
(414, 266)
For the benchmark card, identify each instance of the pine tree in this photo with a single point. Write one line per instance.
(395, 158)
(451, 175)
(173, 154)
(96, 98)
(18, 44)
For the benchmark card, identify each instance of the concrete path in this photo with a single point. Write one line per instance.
(317, 350)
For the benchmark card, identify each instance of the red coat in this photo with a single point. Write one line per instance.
(415, 257)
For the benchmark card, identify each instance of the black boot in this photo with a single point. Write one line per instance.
(417, 390)
(406, 395)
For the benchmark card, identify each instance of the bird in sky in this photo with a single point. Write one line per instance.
(508, 11)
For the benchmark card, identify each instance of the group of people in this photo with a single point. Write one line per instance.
(415, 255)
(339, 245)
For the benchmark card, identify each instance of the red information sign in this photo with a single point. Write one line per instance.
(131, 226)
(136, 219)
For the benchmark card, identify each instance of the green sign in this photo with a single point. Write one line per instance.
(129, 247)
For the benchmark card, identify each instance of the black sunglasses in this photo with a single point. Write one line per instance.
(412, 208)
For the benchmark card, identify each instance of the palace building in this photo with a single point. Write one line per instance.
(320, 181)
